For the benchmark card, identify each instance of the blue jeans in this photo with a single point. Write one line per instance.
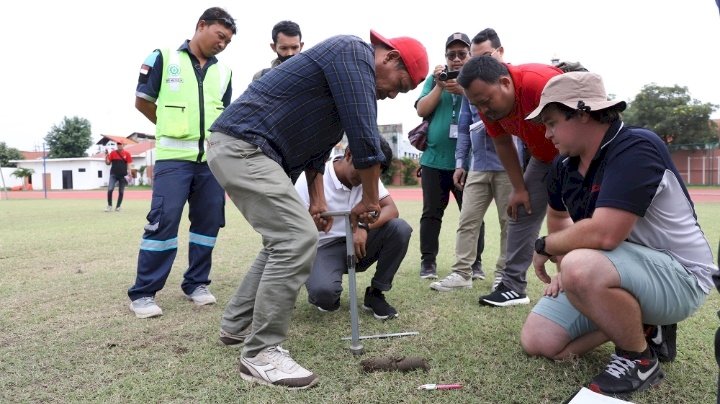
(174, 184)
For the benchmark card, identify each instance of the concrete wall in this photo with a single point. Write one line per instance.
(10, 180)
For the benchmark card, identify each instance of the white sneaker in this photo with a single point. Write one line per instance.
(108, 208)
(273, 366)
(454, 281)
(201, 296)
(145, 307)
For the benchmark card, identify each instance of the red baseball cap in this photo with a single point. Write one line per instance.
(412, 53)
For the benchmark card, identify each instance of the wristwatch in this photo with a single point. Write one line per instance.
(364, 226)
(540, 247)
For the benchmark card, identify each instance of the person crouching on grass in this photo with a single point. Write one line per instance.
(624, 234)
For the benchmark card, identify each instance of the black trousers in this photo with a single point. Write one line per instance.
(437, 186)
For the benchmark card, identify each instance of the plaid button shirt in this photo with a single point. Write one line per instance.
(298, 111)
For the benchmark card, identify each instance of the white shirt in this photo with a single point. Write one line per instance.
(338, 197)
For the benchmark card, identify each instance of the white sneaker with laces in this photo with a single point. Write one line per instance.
(145, 307)
(201, 296)
(273, 366)
(454, 281)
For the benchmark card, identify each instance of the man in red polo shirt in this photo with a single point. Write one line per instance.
(504, 95)
(118, 160)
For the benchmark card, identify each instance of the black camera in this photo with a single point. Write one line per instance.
(445, 75)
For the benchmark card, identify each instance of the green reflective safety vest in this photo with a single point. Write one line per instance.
(186, 108)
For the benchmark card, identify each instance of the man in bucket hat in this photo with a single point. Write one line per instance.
(623, 233)
(285, 123)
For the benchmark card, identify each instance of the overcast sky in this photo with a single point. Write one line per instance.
(81, 58)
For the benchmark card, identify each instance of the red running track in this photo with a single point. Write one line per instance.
(399, 194)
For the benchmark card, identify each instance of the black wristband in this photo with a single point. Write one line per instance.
(540, 247)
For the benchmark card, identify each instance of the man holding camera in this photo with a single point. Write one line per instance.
(440, 100)
(482, 178)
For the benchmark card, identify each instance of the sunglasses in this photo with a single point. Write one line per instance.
(227, 22)
(452, 55)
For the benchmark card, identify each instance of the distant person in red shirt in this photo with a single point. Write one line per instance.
(119, 161)
(504, 95)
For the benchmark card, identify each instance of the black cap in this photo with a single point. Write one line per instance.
(458, 36)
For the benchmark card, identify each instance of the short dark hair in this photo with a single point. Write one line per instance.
(288, 28)
(485, 68)
(488, 34)
(387, 153)
(217, 15)
(607, 115)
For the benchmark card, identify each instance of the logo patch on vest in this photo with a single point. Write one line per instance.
(173, 79)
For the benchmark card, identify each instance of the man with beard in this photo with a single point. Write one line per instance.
(287, 42)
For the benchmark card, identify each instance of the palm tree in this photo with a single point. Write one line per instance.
(23, 173)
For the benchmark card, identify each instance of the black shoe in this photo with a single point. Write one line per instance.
(625, 375)
(502, 296)
(477, 272)
(375, 302)
(428, 270)
(662, 340)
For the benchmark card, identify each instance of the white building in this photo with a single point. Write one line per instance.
(84, 173)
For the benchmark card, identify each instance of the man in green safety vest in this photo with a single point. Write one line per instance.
(182, 91)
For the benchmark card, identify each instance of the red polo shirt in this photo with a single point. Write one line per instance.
(529, 81)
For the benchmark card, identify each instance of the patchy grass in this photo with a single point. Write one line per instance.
(68, 335)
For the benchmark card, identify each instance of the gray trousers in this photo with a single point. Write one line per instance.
(264, 194)
(523, 232)
(386, 245)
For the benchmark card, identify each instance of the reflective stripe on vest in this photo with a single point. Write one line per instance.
(182, 121)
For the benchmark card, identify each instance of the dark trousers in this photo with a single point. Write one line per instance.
(437, 186)
(120, 180)
(386, 245)
(174, 184)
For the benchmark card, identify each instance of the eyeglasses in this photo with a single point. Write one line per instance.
(227, 22)
(460, 55)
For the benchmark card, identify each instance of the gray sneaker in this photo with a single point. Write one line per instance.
(428, 270)
(145, 307)
(201, 296)
(454, 281)
(228, 338)
(273, 366)
(477, 272)
(108, 208)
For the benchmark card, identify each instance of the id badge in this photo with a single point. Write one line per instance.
(453, 131)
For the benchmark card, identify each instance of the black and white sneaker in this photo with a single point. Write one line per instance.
(376, 304)
(625, 375)
(502, 296)
(428, 270)
(663, 340)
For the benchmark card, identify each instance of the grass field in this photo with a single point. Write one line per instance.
(68, 335)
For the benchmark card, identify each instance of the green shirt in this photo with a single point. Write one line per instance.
(440, 152)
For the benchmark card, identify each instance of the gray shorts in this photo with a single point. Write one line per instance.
(666, 291)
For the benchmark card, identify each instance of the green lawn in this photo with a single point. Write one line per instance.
(68, 335)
